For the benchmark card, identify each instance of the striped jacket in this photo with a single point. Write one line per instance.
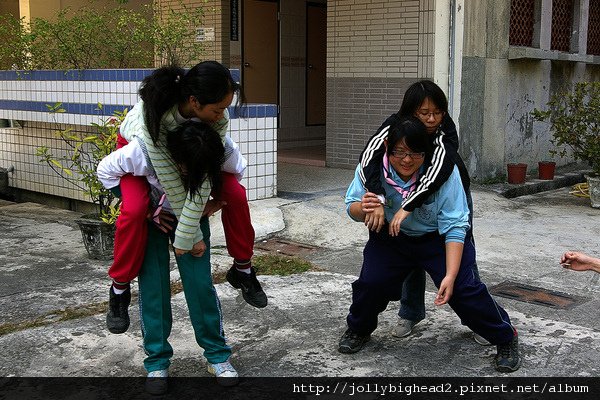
(439, 167)
(188, 209)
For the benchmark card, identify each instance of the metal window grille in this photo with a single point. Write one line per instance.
(562, 25)
(593, 39)
(521, 22)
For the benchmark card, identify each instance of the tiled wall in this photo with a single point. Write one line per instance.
(216, 16)
(375, 50)
(23, 97)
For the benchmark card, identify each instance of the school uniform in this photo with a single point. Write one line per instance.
(443, 217)
(154, 282)
(436, 171)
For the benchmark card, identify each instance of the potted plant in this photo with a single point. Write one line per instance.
(516, 173)
(78, 165)
(574, 119)
(546, 170)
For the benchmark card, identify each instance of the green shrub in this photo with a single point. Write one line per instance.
(574, 119)
(106, 36)
(79, 163)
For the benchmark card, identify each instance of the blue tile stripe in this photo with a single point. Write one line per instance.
(249, 111)
(235, 74)
(70, 108)
(118, 75)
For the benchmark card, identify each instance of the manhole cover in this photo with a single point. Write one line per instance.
(536, 295)
(286, 247)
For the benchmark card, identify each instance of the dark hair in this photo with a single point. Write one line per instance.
(209, 82)
(414, 133)
(198, 151)
(416, 94)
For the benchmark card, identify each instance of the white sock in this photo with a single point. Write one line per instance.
(245, 270)
(118, 291)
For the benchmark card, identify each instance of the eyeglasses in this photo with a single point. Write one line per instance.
(436, 114)
(401, 154)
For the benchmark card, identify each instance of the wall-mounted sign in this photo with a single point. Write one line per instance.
(205, 34)
(234, 37)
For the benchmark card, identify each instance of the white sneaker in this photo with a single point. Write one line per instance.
(225, 373)
(481, 340)
(161, 373)
(156, 382)
(404, 328)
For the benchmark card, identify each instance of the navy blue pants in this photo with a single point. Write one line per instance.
(387, 262)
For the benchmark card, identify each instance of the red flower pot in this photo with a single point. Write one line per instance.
(546, 170)
(516, 173)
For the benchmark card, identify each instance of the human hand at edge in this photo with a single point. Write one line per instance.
(373, 209)
(395, 223)
(212, 206)
(198, 249)
(445, 291)
(180, 252)
(370, 202)
(577, 261)
(165, 221)
(375, 220)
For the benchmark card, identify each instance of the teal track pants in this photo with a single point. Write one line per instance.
(201, 297)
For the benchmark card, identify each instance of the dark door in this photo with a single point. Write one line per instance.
(260, 75)
(316, 63)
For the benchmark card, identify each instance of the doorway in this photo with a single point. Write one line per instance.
(260, 72)
(303, 137)
(316, 63)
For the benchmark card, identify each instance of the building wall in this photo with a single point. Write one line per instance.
(9, 7)
(216, 17)
(47, 9)
(375, 50)
(24, 96)
(502, 84)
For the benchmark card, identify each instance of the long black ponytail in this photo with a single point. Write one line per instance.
(209, 82)
(160, 91)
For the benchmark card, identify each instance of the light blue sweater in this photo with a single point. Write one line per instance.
(446, 211)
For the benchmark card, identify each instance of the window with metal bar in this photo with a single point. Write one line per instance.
(562, 25)
(593, 37)
(522, 19)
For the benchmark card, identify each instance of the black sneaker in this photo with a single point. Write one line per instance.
(117, 319)
(507, 359)
(351, 342)
(251, 289)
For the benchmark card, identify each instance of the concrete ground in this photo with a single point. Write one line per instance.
(44, 269)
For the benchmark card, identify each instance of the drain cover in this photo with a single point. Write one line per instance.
(286, 247)
(536, 295)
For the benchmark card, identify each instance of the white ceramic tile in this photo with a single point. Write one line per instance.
(253, 195)
(252, 175)
(269, 178)
(252, 159)
(252, 135)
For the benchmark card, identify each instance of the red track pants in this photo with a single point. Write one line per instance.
(132, 225)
